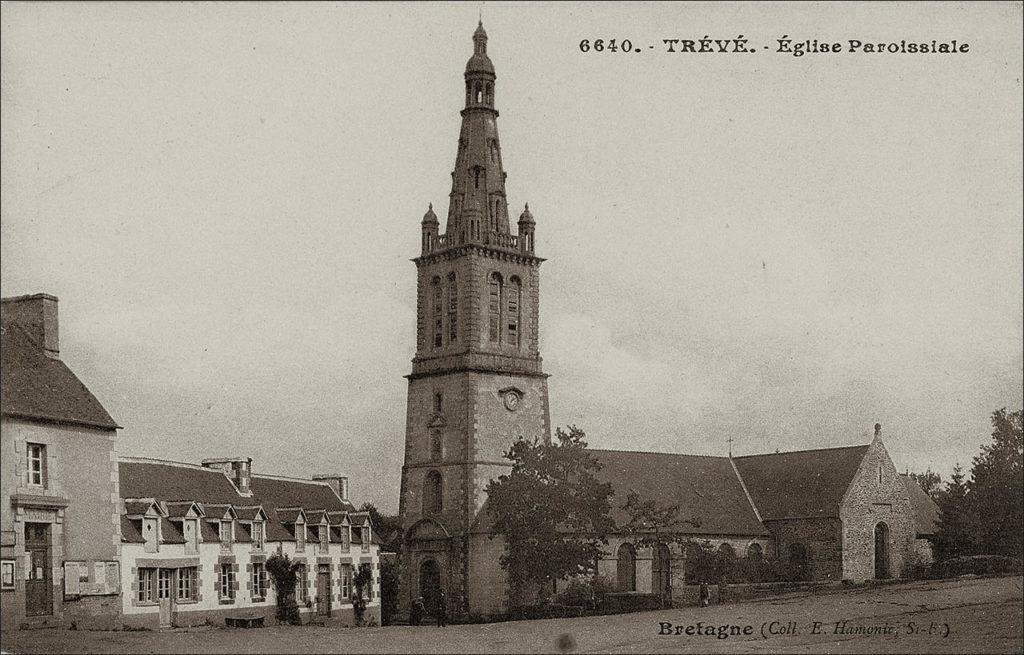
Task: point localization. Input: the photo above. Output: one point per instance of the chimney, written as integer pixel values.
(337, 482)
(238, 470)
(878, 430)
(37, 315)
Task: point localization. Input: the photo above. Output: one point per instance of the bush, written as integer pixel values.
(979, 565)
(587, 593)
(362, 581)
(285, 574)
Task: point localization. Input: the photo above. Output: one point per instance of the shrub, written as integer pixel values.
(284, 573)
(588, 593)
(979, 565)
(362, 581)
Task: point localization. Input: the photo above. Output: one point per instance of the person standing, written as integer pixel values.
(705, 594)
(442, 610)
(416, 613)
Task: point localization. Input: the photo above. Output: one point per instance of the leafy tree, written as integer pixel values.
(285, 575)
(361, 583)
(390, 575)
(552, 511)
(955, 534)
(388, 527)
(996, 489)
(650, 523)
(930, 481)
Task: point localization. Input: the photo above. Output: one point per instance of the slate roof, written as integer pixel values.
(34, 386)
(129, 532)
(178, 484)
(926, 511)
(800, 484)
(210, 532)
(706, 489)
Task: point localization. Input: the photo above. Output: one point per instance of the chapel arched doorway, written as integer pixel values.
(661, 580)
(881, 551)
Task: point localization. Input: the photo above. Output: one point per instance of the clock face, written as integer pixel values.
(511, 400)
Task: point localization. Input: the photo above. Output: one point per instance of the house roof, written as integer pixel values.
(130, 534)
(210, 532)
(926, 511)
(178, 484)
(800, 484)
(705, 489)
(170, 533)
(35, 386)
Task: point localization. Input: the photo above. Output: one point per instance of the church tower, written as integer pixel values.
(476, 384)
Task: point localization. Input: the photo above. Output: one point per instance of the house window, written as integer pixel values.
(258, 534)
(364, 539)
(226, 582)
(300, 537)
(37, 464)
(300, 583)
(494, 307)
(346, 580)
(147, 578)
(259, 581)
(188, 583)
(324, 537)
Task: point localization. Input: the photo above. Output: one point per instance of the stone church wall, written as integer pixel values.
(821, 536)
(876, 495)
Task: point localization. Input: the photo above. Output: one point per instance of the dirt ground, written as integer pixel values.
(961, 616)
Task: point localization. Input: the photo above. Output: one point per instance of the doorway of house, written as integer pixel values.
(430, 585)
(662, 573)
(323, 589)
(38, 586)
(881, 551)
(164, 584)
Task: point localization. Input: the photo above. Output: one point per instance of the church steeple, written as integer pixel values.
(477, 207)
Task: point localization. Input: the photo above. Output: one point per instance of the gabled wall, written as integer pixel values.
(869, 502)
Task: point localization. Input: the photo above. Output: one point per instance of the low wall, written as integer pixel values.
(187, 618)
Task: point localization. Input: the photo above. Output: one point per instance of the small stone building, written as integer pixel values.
(58, 481)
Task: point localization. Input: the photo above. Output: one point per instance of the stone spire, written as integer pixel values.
(477, 210)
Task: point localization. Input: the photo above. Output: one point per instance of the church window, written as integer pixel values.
(453, 309)
(438, 402)
(437, 312)
(436, 452)
(514, 301)
(626, 568)
(489, 93)
(879, 475)
(478, 92)
(755, 552)
(494, 306)
(727, 551)
(432, 493)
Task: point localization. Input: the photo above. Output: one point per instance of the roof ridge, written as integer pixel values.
(287, 478)
(169, 462)
(653, 452)
(805, 450)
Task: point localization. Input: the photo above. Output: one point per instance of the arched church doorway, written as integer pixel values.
(881, 551)
(430, 584)
(626, 568)
(661, 580)
(800, 561)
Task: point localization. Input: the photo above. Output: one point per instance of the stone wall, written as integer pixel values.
(821, 536)
(876, 495)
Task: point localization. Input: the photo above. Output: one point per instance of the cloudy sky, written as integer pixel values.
(783, 250)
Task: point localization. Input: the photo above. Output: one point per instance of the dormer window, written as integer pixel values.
(300, 537)
(258, 534)
(226, 532)
(325, 534)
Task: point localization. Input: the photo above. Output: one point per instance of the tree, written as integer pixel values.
(930, 481)
(552, 511)
(388, 527)
(955, 534)
(285, 575)
(361, 583)
(650, 523)
(996, 489)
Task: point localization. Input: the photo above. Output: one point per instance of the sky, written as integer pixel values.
(777, 250)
